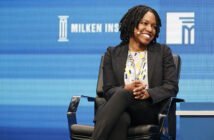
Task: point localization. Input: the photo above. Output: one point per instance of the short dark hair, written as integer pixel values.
(131, 20)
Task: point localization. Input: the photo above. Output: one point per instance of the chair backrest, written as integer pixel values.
(177, 62)
(99, 90)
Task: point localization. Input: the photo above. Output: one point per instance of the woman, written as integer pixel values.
(138, 74)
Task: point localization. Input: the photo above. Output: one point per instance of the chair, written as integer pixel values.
(166, 129)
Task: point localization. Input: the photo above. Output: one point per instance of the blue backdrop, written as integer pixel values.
(50, 51)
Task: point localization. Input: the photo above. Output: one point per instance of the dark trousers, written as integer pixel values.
(121, 111)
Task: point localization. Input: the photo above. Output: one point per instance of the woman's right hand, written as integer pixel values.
(130, 87)
(133, 85)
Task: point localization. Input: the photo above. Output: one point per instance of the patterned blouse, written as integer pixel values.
(136, 67)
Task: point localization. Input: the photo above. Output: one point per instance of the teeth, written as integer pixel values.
(146, 35)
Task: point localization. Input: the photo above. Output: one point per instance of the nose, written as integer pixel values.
(149, 28)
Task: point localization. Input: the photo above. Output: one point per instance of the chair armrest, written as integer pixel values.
(75, 100)
(90, 99)
(168, 106)
(175, 99)
(72, 109)
(167, 118)
(73, 106)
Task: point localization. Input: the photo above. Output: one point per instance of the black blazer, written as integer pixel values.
(163, 81)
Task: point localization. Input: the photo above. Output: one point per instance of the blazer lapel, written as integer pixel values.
(151, 61)
(121, 62)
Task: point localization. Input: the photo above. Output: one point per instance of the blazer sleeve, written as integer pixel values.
(111, 84)
(168, 78)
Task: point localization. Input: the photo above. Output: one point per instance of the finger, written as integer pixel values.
(138, 85)
(137, 82)
(140, 88)
(137, 93)
(145, 97)
(141, 85)
(139, 96)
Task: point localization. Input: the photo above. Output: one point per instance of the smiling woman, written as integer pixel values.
(138, 74)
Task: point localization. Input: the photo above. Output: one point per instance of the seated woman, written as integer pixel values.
(138, 74)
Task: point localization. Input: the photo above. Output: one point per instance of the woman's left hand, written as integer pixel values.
(140, 93)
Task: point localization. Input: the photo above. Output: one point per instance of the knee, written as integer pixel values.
(123, 94)
(124, 120)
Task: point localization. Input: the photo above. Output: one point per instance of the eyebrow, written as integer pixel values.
(145, 20)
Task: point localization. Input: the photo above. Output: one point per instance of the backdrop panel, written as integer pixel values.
(50, 51)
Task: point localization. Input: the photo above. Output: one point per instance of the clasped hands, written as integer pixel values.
(138, 88)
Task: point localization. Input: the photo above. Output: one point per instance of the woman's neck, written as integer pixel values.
(136, 47)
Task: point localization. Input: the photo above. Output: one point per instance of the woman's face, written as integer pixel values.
(146, 30)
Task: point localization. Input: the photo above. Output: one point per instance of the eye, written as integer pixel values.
(144, 23)
(154, 27)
